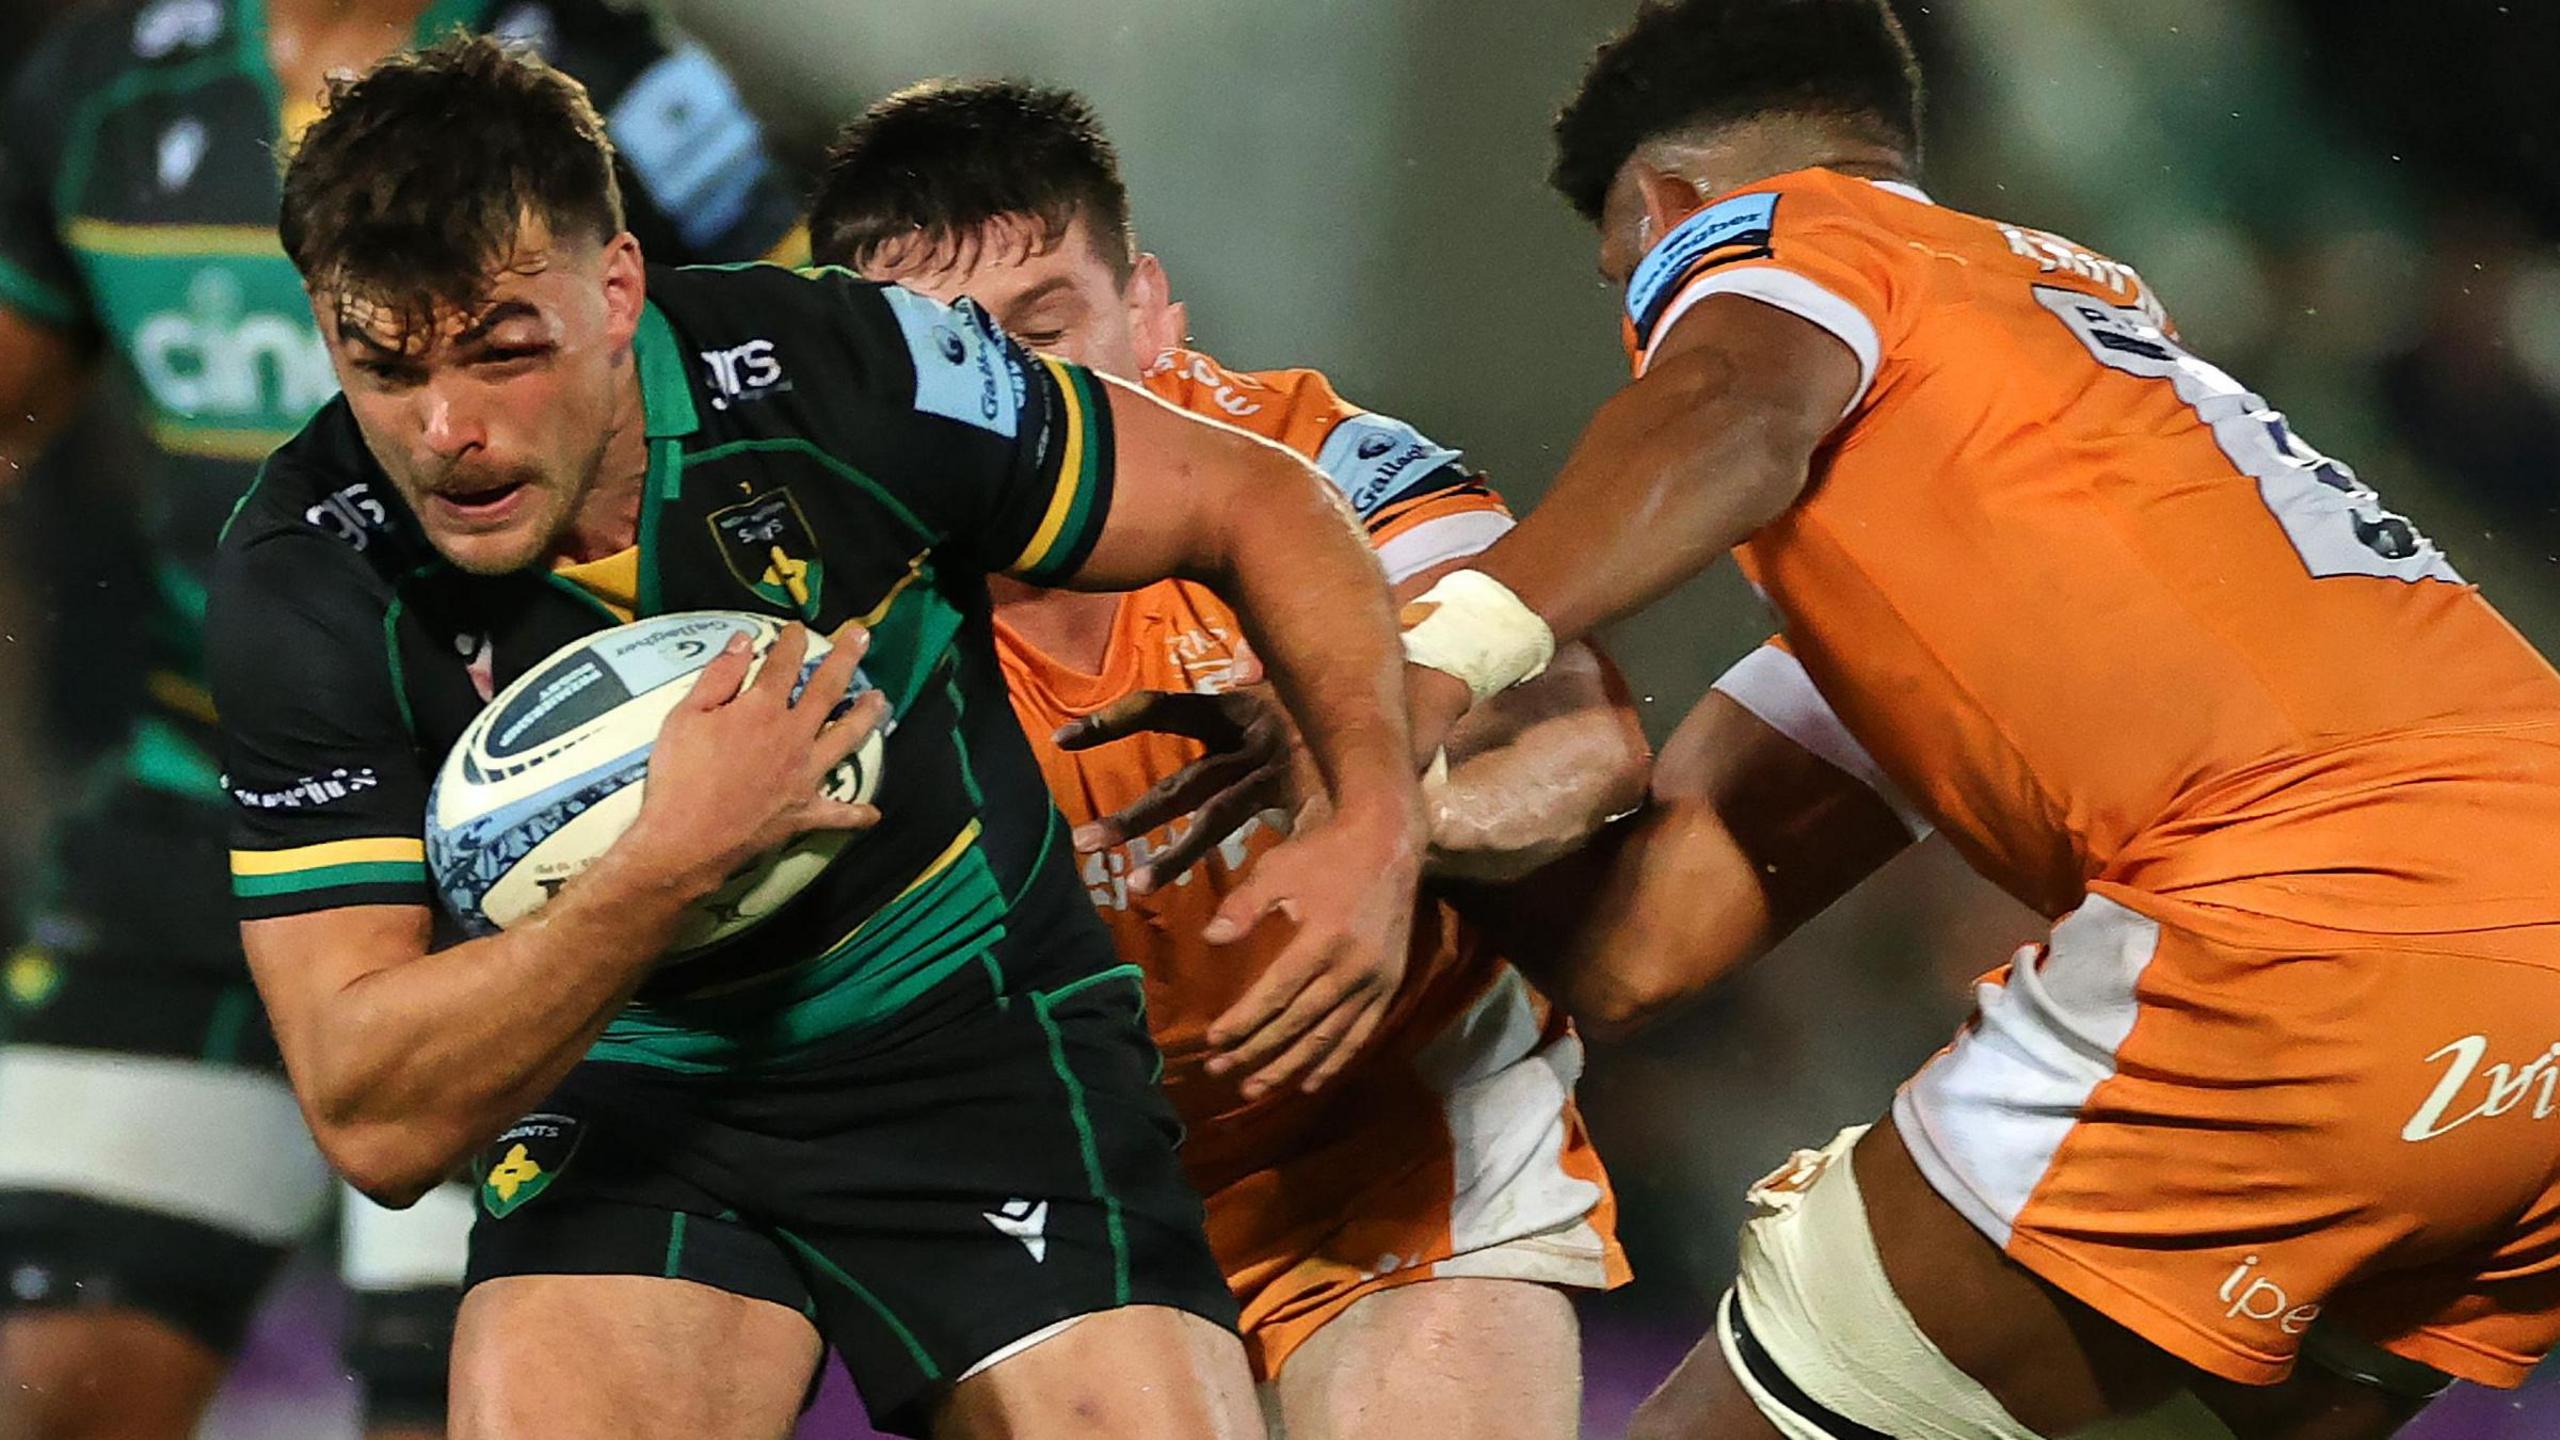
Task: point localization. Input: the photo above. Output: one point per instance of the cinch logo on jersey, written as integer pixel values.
(744, 372)
(1731, 230)
(1374, 458)
(2503, 1088)
(218, 357)
(2263, 1299)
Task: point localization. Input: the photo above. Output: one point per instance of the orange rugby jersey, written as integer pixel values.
(1422, 507)
(2098, 610)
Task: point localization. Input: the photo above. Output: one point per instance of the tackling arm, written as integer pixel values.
(1747, 835)
(1715, 441)
(1535, 771)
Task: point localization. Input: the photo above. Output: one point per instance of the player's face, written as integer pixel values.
(1060, 297)
(493, 422)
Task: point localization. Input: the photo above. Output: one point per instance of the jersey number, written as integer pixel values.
(2336, 522)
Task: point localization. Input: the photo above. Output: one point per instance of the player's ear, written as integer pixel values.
(625, 287)
(1668, 198)
(1156, 323)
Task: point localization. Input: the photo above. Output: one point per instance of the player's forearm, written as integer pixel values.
(1673, 472)
(417, 1064)
(1535, 772)
(1629, 928)
(1302, 579)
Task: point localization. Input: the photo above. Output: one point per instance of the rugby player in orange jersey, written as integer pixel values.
(2269, 1128)
(1399, 1241)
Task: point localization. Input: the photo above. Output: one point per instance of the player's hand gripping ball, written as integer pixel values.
(551, 773)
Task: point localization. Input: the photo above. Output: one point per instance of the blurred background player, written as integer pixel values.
(154, 1172)
(1399, 1242)
(2250, 1129)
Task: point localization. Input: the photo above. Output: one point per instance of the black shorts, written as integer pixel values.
(152, 1159)
(925, 1204)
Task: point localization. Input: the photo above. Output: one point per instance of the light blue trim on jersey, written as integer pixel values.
(965, 369)
(1373, 459)
(691, 142)
(1727, 222)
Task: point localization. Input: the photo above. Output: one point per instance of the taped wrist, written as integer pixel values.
(1471, 626)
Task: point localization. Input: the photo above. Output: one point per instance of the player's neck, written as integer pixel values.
(607, 520)
(1070, 627)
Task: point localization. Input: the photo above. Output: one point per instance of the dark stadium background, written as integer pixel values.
(2353, 206)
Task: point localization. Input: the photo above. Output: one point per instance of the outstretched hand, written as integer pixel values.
(1347, 882)
(1254, 763)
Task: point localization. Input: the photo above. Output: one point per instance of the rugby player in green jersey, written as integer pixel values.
(154, 1172)
(912, 1115)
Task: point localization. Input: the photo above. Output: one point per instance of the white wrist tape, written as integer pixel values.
(1478, 631)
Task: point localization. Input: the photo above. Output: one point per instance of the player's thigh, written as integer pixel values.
(606, 1296)
(1868, 1305)
(1145, 1372)
(641, 1357)
(1486, 1359)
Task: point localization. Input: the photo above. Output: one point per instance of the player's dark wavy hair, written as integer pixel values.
(1688, 64)
(935, 162)
(413, 187)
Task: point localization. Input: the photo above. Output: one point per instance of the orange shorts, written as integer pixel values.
(2217, 1129)
(1462, 1156)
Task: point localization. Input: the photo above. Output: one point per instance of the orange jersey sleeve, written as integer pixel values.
(2096, 609)
(1422, 505)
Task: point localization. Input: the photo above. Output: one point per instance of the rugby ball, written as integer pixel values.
(551, 771)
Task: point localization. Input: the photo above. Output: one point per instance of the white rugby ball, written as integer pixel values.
(550, 773)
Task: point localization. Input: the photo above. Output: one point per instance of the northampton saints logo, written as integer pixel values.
(521, 1163)
(769, 547)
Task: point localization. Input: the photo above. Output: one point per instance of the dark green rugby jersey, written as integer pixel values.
(820, 449)
(138, 193)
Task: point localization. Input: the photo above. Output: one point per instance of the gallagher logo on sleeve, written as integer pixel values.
(1723, 233)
